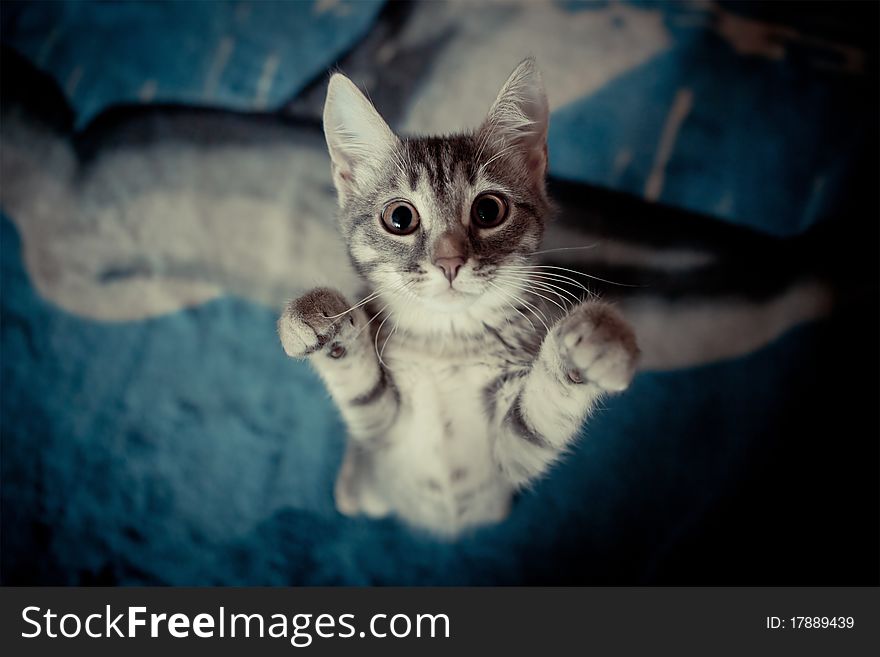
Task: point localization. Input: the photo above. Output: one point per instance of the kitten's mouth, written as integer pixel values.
(453, 293)
(451, 299)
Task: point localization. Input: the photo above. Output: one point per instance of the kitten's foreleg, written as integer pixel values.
(317, 326)
(590, 352)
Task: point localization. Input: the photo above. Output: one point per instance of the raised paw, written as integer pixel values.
(314, 321)
(598, 346)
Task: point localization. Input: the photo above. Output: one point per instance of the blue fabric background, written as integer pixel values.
(769, 144)
(119, 46)
(184, 450)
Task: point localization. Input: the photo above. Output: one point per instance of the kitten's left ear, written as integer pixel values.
(520, 116)
(358, 138)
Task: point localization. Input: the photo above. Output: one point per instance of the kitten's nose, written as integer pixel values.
(450, 266)
(450, 253)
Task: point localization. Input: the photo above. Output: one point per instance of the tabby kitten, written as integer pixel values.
(455, 382)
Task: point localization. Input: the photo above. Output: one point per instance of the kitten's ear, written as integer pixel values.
(520, 116)
(357, 137)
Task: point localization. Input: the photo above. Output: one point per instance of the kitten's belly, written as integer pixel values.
(437, 470)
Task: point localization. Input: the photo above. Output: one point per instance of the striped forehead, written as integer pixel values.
(440, 179)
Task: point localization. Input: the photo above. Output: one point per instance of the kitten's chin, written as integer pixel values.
(450, 301)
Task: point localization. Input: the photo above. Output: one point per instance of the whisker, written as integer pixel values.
(376, 340)
(551, 276)
(517, 310)
(567, 248)
(538, 313)
(533, 290)
(360, 303)
(540, 316)
(363, 328)
(559, 291)
(550, 289)
(559, 283)
(399, 287)
(547, 287)
(580, 273)
(385, 344)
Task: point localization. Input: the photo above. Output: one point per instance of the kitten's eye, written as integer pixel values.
(488, 211)
(400, 217)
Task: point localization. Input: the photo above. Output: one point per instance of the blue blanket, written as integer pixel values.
(185, 450)
(758, 122)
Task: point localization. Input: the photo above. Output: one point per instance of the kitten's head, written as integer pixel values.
(442, 222)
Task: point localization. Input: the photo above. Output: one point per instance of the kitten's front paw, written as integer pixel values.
(598, 346)
(313, 321)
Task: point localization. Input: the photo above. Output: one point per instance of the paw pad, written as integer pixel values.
(598, 346)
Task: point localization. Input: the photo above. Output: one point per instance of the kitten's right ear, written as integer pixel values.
(357, 137)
